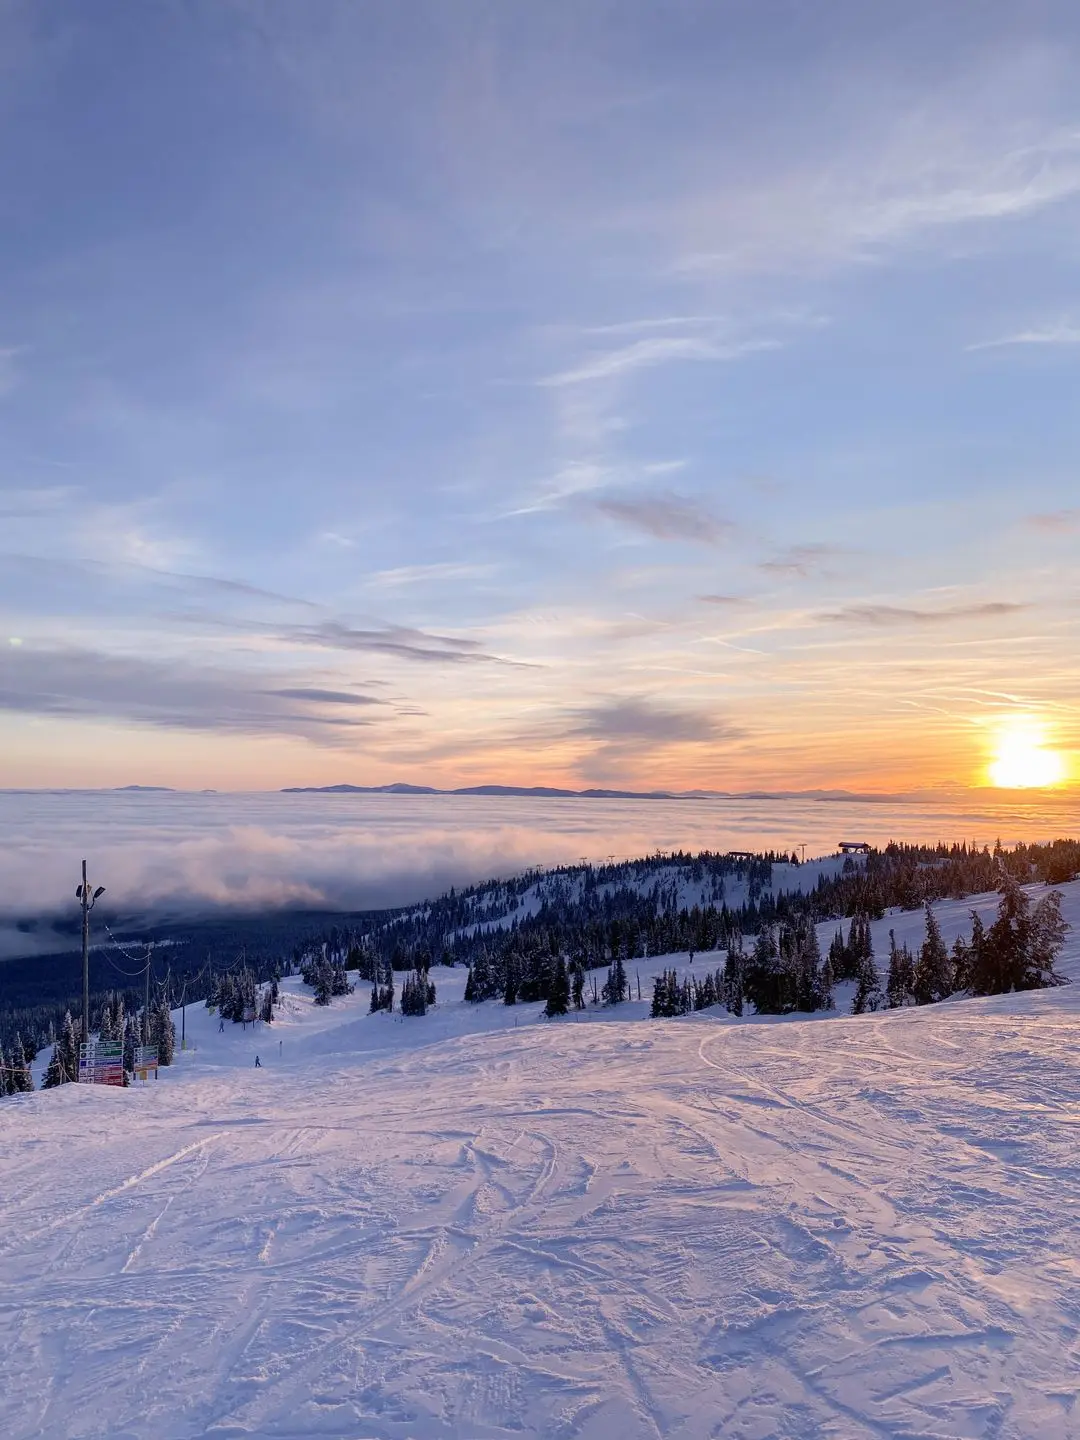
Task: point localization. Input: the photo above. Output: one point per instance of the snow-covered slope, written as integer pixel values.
(497, 904)
(460, 1226)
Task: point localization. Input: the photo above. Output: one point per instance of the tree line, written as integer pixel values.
(511, 933)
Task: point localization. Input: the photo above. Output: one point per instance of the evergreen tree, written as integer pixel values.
(763, 981)
(901, 977)
(867, 987)
(933, 975)
(733, 978)
(5, 1075)
(163, 1032)
(510, 989)
(266, 1013)
(615, 984)
(131, 1043)
(658, 1009)
(479, 986)
(22, 1082)
(961, 964)
(54, 1071)
(838, 956)
(558, 1000)
(578, 985)
(1048, 930)
(414, 994)
(825, 987)
(68, 1045)
(63, 1067)
(1019, 949)
(322, 982)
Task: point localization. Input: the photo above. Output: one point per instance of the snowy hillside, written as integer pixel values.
(479, 1223)
(683, 882)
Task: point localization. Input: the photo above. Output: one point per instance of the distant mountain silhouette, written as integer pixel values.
(553, 792)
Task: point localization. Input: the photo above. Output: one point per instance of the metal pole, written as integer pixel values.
(85, 958)
(146, 1008)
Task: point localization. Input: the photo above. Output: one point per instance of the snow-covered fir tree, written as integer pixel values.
(1020, 947)
(900, 982)
(934, 972)
(63, 1067)
(163, 1032)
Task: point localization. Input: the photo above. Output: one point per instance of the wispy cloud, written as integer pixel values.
(932, 167)
(802, 560)
(1056, 521)
(725, 601)
(119, 576)
(404, 575)
(889, 615)
(325, 697)
(175, 695)
(399, 642)
(668, 517)
(657, 350)
(652, 323)
(1058, 333)
(23, 503)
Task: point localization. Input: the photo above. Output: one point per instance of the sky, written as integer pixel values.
(669, 395)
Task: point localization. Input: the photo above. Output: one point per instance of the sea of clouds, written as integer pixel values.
(178, 853)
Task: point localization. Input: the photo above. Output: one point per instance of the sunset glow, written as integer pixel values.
(645, 405)
(1023, 760)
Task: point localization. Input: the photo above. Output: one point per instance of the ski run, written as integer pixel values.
(480, 1223)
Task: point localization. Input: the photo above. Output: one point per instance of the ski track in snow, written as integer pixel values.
(459, 1227)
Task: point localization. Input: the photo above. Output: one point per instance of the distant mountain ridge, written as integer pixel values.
(552, 792)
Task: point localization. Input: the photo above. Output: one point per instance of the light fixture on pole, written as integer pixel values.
(88, 898)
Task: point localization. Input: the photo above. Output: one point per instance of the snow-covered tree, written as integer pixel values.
(867, 986)
(900, 982)
(163, 1032)
(933, 977)
(1020, 947)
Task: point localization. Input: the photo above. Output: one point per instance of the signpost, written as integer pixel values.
(146, 1059)
(101, 1062)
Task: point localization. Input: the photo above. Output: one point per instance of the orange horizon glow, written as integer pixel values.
(1024, 757)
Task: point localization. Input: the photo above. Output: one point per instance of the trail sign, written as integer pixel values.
(101, 1062)
(146, 1059)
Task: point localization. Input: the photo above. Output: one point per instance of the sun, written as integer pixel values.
(1022, 758)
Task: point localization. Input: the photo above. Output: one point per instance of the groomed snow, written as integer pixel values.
(459, 1226)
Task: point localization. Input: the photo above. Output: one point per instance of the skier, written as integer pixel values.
(279, 1045)
(221, 1026)
(691, 957)
(258, 1063)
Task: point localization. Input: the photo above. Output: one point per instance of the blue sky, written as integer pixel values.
(672, 394)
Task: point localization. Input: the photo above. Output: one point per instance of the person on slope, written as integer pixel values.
(258, 1063)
